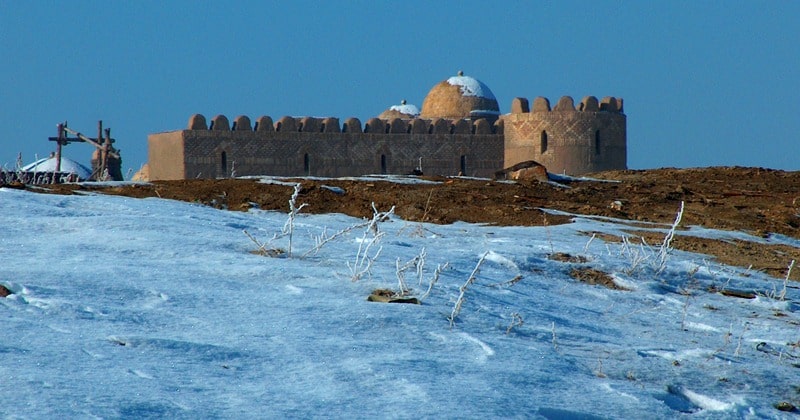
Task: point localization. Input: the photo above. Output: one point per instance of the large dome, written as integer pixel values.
(460, 97)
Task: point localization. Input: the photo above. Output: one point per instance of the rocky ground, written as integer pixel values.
(753, 200)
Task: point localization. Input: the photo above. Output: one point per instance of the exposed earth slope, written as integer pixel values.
(757, 201)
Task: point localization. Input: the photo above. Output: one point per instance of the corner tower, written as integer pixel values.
(575, 140)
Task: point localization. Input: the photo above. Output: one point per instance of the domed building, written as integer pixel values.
(49, 169)
(460, 97)
(459, 131)
(404, 111)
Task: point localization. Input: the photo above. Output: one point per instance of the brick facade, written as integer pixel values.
(574, 140)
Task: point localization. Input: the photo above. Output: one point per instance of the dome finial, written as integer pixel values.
(461, 72)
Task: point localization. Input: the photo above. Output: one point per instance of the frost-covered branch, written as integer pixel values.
(463, 290)
(666, 246)
(288, 227)
(371, 224)
(434, 279)
(363, 262)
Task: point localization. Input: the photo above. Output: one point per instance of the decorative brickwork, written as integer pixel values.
(329, 151)
(590, 138)
(567, 139)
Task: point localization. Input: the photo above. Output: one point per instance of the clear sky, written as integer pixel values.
(705, 83)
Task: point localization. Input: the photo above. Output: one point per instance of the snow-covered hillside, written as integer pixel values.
(155, 308)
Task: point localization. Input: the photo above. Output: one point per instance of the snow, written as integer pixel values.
(67, 166)
(471, 87)
(407, 109)
(156, 308)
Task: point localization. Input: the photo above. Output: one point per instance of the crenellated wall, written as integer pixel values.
(567, 138)
(323, 147)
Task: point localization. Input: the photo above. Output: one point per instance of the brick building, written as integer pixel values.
(458, 131)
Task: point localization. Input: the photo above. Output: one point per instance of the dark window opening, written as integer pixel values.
(255, 126)
(278, 126)
(463, 170)
(388, 127)
(300, 127)
(597, 142)
(233, 127)
(543, 142)
(306, 164)
(211, 126)
(322, 128)
(383, 164)
(224, 163)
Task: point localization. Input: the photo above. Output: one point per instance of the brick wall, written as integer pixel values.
(221, 153)
(565, 139)
(587, 138)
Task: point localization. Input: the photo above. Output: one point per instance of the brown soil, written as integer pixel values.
(753, 200)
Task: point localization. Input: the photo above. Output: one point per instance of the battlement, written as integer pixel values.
(289, 124)
(566, 104)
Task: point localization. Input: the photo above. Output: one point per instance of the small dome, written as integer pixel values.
(403, 111)
(67, 166)
(460, 97)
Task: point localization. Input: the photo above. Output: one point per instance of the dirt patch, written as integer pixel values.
(754, 200)
(568, 258)
(593, 276)
(390, 296)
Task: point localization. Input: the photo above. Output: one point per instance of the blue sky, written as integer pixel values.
(705, 83)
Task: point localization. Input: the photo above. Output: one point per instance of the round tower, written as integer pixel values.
(570, 139)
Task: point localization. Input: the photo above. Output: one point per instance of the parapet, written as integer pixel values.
(220, 123)
(520, 106)
(241, 123)
(351, 125)
(482, 126)
(197, 122)
(330, 125)
(397, 126)
(567, 104)
(264, 124)
(374, 125)
(286, 124)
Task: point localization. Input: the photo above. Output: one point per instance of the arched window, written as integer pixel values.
(306, 164)
(224, 164)
(543, 142)
(463, 168)
(383, 164)
(597, 142)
